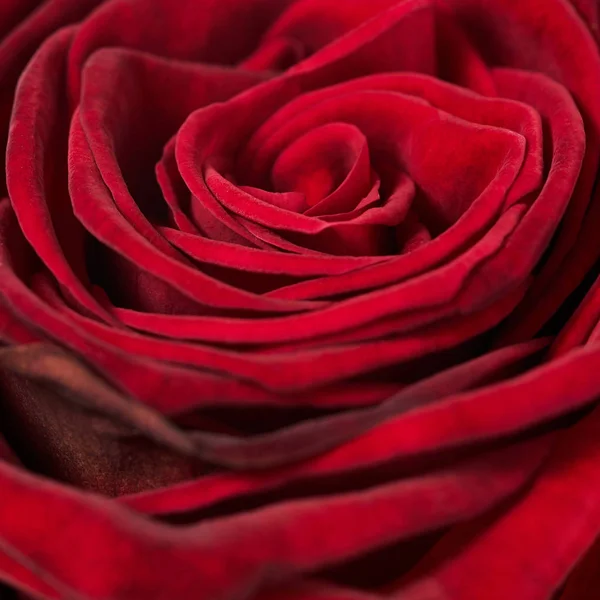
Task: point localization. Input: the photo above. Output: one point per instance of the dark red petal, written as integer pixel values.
(590, 11)
(34, 145)
(125, 556)
(529, 550)
(216, 32)
(585, 576)
(318, 435)
(482, 414)
(93, 206)
(24, 25)
(565, 50)
(261, 261)
(323, 161)
(315, 23)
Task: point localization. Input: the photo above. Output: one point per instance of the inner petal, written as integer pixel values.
(409, 134)
(120, 106)
(318, 162)
(295, 201)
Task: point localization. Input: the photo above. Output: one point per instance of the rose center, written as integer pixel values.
(329, 165)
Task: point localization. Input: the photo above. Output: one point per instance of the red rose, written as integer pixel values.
(297, 299)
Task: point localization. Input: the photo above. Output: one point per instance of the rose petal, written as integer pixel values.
(566, 51)
(116, 113)
(132, 547)
(510, 557)
(179, 31)
(464, 418)
(92, 205)
(33, 148)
